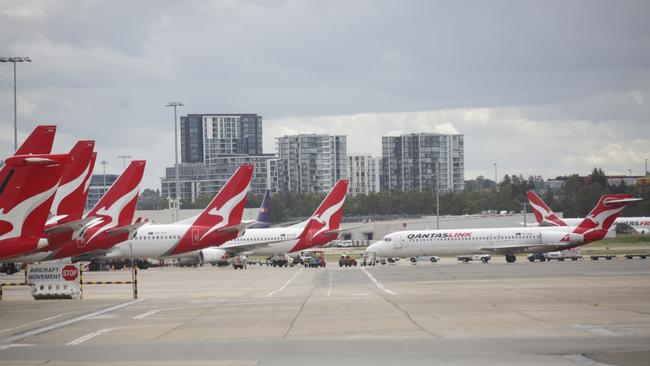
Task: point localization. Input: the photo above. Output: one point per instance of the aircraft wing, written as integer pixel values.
(526, 248)
(246, 247)
(70, 226)
(343, 229)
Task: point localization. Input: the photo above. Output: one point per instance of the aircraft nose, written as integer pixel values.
(376, 247)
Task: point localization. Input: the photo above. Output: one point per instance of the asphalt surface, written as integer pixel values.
(559, 313)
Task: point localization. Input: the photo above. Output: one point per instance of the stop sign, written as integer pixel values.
(70, 272)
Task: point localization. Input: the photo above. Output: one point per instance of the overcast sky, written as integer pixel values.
(548, 87)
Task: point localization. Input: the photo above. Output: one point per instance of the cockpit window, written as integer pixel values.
(387, 238)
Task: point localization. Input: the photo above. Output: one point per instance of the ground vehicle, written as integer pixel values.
(369, 259)
(280, 260)
(632, 256)
(239, 262)
(476, 257)
(572, 254)
(388, 260)
(313, 259)
(536, 257)
(347, 261)
(10, 268)
(344, 244)
(432, 259)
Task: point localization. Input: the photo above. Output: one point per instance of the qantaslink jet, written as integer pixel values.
(507, 241)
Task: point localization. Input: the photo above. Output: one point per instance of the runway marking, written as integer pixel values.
(329, 291)
(90, 336)
(32, 323)
(7, 346)
(286, 284)
(144, 315)
(597, 330)
(377, 283)
(62, 324)
(582, 360)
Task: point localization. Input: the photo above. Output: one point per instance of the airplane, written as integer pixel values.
(321, 228)
(39, 141)
(66, 220)
(263, 216)
(28, 184)
(107, 224)
(546, 217)
(507, 241)
(218, 223)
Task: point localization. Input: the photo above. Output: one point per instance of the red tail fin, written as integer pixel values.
(543, 214)
(39, 141)
(26, 194)
(323, 225)
(71, 196)
(225, 210)
(227, 207)
(595, 226)
(117, 206)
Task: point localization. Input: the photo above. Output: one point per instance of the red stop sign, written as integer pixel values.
(70, 272)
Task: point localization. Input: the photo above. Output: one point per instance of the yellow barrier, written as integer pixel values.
(25, 283)
(134, 282)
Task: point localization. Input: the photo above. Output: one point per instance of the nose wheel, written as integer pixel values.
(510, 258)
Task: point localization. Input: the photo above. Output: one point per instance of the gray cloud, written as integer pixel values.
(573, 71)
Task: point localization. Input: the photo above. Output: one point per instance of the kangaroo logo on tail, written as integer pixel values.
(543, 214)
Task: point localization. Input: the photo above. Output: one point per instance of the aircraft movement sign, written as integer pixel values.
(52, 273)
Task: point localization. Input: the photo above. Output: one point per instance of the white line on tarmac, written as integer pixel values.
(90, 336)
(286, 284)
(582, 360)
(377, 283)
(32, 323)
(6, 346)
(329, 291)
(62, 324)
(142, 316)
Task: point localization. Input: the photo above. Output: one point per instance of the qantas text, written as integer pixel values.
(439, 235)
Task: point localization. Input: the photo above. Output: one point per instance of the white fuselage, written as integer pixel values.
(462, 242)
(155, 241)
(280, 240)
(150, 241)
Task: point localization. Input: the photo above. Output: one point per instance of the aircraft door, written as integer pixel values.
(397, 243)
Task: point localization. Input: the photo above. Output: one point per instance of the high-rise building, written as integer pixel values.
(409, 162)
(99, 184)
(198, 179)
(364, 172)
(207, 136)
(311, 162)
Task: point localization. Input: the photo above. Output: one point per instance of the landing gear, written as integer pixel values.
(510, 258)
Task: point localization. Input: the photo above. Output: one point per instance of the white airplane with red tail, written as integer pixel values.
(546, 217)
(507, 241)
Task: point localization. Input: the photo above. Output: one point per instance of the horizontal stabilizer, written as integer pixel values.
(128, 229)
(70, 226)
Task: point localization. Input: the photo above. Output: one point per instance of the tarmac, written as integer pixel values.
(557, 313)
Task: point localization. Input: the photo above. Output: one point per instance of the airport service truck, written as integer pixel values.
(474, 257)
(570, 254)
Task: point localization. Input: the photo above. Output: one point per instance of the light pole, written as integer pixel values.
(437, 195)
(178, 200)
(646, 166)
(104, 163)
(496, 188)
(629, 172)
(124, 157)
(14, 60)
